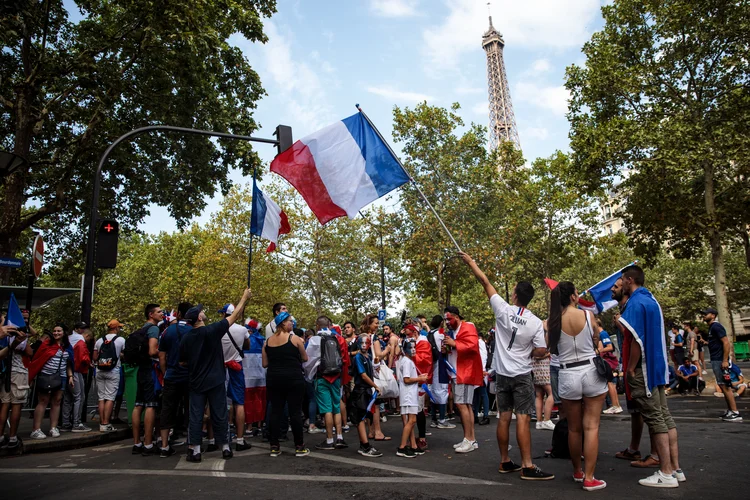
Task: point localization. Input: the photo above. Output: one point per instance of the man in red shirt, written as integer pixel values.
(328, 387)
(464, 341)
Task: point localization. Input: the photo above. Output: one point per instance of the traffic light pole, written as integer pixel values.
(283, 141)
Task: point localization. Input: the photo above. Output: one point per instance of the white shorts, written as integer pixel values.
(107, 384)
(409, 410)
(463, 394)
(580, 382)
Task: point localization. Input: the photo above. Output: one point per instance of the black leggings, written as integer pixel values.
(286, 392)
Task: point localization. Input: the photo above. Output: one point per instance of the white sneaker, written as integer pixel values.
(446, 425)
(679, 475)
(38, 434)
(493, 413)
(463, 442)
(617, 409)
(609, 410)
(475, 444)
(106, 428)
(659, 480)
(384, 419)
(466, 447)
(54, 432)
(314, 430)
(546, 425)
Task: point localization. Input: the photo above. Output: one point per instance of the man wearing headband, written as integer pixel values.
(202, 352)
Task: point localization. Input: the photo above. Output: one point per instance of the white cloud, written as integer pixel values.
(394, 8)
(396, 95)
(540, 133)
(470, 90)
(540, 66)
(296, 82)
(481, 108)
(551, 98)
(528, 24)
(328, 35)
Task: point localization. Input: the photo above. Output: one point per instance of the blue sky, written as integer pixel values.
(323, 57)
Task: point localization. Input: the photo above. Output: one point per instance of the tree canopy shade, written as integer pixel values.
(74, 81)
(663, 103)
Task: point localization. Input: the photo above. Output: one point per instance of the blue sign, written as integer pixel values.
(381, 314)
(10, 262)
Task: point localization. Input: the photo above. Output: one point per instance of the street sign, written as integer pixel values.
(37, 256)
(381, 314)
(10, 262)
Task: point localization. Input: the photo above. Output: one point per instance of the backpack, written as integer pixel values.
(560, 447)
(330, 356)
(135, 351)
(107, 355)
(433, 344)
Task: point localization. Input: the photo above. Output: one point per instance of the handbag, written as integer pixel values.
(386, 382)
(50, 382)
(602, 367)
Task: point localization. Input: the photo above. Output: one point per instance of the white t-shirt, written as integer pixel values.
(517, 332)
(672, 336)
(408, 393)
(119, 346)
(270, 328)
(239, 333)
(17, 365)
(436, 369)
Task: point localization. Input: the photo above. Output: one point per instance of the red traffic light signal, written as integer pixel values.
(106, 244)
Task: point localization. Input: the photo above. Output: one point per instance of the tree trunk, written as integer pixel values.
(440, 301)
(746, 246)
(717, 252)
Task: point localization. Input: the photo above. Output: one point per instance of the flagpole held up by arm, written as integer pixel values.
(414, 183)
(250, 252)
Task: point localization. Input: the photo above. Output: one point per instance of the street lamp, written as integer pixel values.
(9, 163)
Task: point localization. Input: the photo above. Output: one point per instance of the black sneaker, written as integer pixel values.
(64, 428)
(212, 447)
(419, 451)
(509, 466)
(369, 452)
(325, 445)
(405, 452)
(732, 416)
(193, 457)
(227, 454)
(301, 451)
(242, 446)
(13, 446)
(167, 453)
(137, 450)
(534, 473)
(147, 452)
(341, 444)
(484, 421)
(275, 451)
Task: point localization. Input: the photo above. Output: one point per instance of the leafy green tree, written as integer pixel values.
(73, 82)
(663, 104)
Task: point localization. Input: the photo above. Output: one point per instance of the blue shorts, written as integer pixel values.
(719, 373)
(236, 386)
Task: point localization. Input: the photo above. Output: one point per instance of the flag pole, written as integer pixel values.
(250, 252)
(414, 183)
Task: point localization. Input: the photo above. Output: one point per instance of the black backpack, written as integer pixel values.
(560, 448)
(135, 351)
(107, 355)
(330, 356)
(433, 344)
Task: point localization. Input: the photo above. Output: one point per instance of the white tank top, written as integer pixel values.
(577, 348)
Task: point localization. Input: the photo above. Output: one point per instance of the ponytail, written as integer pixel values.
(559, 300)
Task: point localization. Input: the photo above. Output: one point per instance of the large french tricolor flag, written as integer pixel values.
(268, 220)
(340, 169)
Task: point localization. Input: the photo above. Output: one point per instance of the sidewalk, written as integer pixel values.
(67, 440)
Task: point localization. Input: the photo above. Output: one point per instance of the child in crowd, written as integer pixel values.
(408, 381)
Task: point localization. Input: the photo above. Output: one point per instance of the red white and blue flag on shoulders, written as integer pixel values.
(340, 169)
(268, 220)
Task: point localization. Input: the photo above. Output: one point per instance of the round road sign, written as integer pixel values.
(37, 256)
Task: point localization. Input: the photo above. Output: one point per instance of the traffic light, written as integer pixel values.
(106, 244)
(284, 135)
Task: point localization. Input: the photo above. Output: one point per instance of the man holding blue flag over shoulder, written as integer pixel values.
(647, 375)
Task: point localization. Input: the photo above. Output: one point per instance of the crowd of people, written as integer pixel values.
(226, 381)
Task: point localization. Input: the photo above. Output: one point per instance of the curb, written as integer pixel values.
(83, 440)
(677, 418)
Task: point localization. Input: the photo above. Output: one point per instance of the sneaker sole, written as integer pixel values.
(370, 456)
(507, 471)
(80, 431)
(659, 485)
(404, 455)
(526, 478)
(302, 454)
(594, 488)
(466, 451)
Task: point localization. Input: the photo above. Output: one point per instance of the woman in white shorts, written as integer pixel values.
(581, 388)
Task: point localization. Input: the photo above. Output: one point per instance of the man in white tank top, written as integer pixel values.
(519, 335)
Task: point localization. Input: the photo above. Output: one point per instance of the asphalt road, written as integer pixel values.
(715, 457)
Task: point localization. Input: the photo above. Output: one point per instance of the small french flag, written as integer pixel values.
(268, 220)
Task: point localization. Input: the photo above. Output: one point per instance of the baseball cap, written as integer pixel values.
(227, 309)
(81, 325)
(454, 311)
(709, 310)
(192, 314)
(114, 324)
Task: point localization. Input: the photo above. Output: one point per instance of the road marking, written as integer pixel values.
(272, 477)
(66, 465)
(114, 447)
(207, 464)
(78, 455)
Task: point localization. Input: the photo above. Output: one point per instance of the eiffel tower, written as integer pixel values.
(502, 120)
